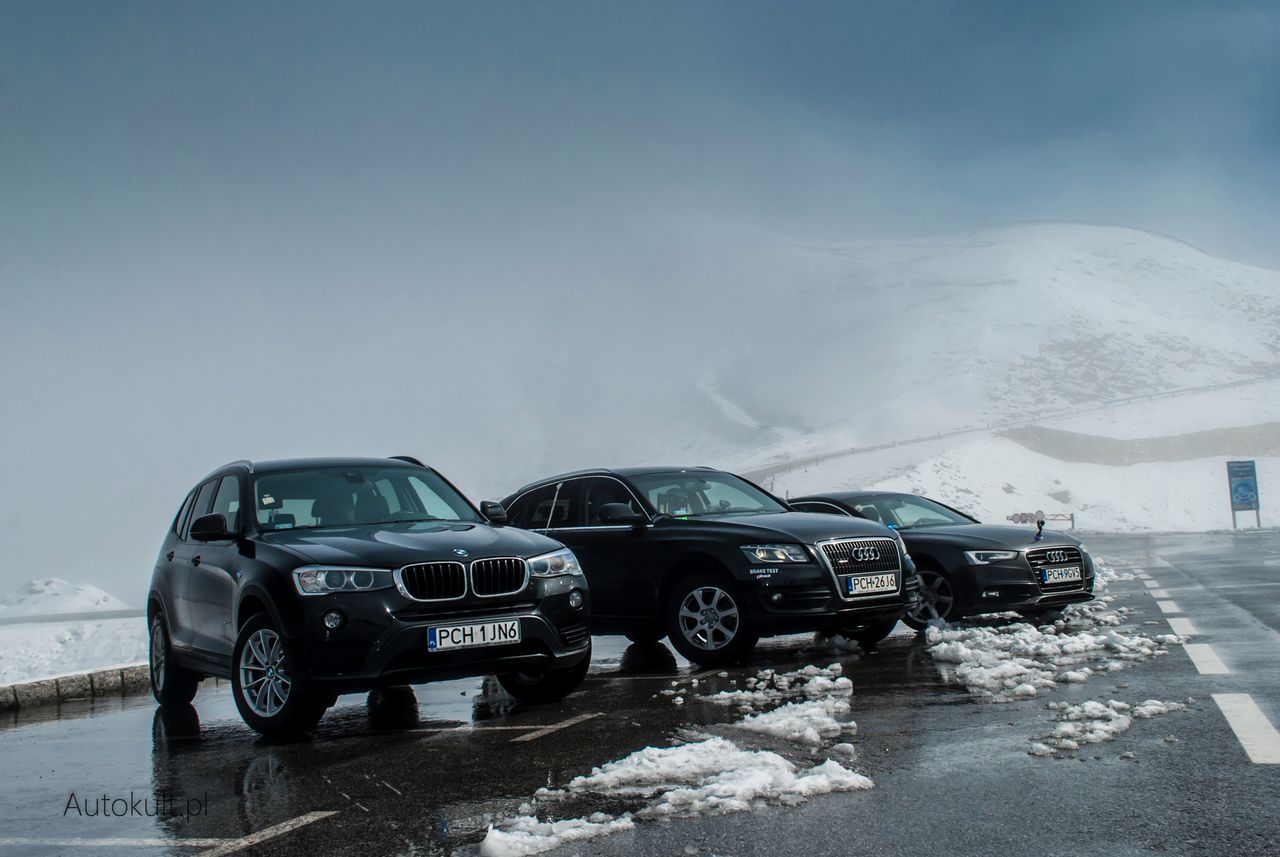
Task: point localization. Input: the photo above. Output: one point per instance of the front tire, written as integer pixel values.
(937, 600)
(868, 635)
(546, 687)
(271, 695)
(644, 634)
(706, 621)
(171, 685)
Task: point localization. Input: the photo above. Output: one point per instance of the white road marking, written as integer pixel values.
(266, 833)
(1205, 659)
(1182, 627)
(1259, 738)
(555, 727)
(468, 728)
(176, 842)
(1168, 607)
(1159, 593)
(1150, 584)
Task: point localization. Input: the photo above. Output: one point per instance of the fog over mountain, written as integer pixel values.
(514, 238)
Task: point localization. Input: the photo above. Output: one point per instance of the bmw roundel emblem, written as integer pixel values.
(459, 552)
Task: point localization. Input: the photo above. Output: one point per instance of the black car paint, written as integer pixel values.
(632, 567)
(205, 591)
(943, 547)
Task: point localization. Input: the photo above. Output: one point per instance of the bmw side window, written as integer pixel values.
(227, 502)
(180, 519)
(200, 507)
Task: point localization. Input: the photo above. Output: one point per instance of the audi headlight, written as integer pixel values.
(769, 554)
(554, 564)
(323, 579)
(988, 557)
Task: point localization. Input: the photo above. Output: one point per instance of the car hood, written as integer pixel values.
(988, 535)
(805, 527)
(394, 545)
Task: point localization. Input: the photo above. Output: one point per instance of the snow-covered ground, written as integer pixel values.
(709, 774)
(32, 650)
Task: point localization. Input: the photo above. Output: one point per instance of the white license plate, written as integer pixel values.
(1066, 574)
(469, 636)
(870, 584)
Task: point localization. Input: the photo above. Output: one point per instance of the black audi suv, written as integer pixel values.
(713, 562)
(299, 580)
(967, 567)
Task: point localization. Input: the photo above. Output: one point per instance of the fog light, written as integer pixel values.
(777, 597)
(575, 599)
(333, 620)
(991, 593)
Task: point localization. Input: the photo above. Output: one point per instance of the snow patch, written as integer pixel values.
(1018, 660)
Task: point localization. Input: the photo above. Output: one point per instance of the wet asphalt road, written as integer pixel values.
(426, 773)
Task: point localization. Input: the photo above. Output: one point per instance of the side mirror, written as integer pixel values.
(621, 513)
(211, 528)
(493, 510)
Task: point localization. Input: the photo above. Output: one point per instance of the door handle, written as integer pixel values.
(195, 560)
(169, 556)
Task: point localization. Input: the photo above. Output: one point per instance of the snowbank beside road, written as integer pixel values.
(32, 651)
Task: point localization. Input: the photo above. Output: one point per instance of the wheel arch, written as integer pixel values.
(692, 563)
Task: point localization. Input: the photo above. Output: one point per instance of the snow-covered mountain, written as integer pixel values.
(910, 338)
(52, 596)
(935, 352)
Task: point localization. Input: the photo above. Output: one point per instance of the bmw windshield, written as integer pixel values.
(695, 493)
(353, 496)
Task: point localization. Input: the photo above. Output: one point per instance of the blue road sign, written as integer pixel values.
(1242, 479)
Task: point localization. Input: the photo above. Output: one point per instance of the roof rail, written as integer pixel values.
(408, 458)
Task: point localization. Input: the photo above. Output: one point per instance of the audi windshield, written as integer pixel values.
(691, 494)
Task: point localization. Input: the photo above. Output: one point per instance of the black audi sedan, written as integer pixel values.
(299, 580)
(713, 562)
(967, 567)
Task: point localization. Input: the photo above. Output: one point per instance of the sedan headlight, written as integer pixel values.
(988, 557)
(768, 554)
(323, 579)
(554, 564)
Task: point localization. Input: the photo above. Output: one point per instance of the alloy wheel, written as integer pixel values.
(709, 618)
(936, 597)
(157, 655)
(264, 683)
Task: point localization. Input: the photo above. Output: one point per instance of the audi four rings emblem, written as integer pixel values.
(1056, 556)
(865, 554)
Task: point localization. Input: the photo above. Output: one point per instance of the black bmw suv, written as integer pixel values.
(299, 580)
(713, 562)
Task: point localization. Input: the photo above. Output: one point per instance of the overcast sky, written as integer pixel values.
(254, 230)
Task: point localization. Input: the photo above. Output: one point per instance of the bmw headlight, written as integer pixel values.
(770, 554)
(554, 564)
(323, 579)
(988, 557)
